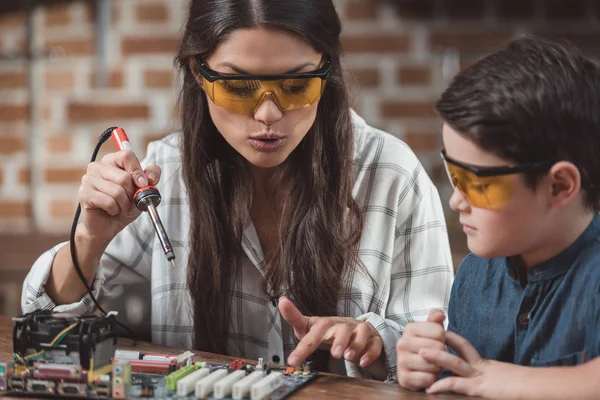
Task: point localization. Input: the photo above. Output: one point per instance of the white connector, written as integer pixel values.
(265, 386)
(204, 386)
(241, 389)
(187, 384)
(223, 387)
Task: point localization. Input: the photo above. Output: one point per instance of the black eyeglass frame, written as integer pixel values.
(495, 171)
(212, 76)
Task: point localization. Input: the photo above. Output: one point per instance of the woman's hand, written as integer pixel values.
(354, 340)
(106, 194)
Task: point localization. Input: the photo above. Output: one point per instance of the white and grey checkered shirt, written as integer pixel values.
(404, 247)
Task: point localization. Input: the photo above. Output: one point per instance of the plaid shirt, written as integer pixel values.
(404, 247)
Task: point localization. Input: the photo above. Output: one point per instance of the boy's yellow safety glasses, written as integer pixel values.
(486, 187)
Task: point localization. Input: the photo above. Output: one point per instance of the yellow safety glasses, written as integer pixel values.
(486, 187)
(245, 93)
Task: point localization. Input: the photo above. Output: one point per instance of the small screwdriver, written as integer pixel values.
(146, 198)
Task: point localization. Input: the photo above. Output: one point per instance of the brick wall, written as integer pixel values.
(401, 54)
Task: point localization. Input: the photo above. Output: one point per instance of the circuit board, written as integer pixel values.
(147, 385)
(76, 357)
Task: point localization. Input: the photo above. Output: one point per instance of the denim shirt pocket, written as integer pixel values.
(566, 360)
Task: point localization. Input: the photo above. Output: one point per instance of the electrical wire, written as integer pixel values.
(57, 339)
(101, 140)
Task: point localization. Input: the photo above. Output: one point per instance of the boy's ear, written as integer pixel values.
(565, 181)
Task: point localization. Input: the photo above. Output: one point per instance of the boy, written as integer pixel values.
(521, 140)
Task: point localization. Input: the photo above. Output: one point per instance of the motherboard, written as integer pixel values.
(61, 355)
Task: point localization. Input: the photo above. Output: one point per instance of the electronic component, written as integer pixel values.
(121, 379)
(260, 365)
(223, 387)
(42, 340)
(174, 377)
(241, 389)
(187, 384)
(147, 390)
(73, 389)
(128, 355)
(237, 364)
(265, 386)
(205, 386)
(5, 372)
(61, 355)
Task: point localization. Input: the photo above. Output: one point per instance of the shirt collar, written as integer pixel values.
(560, 263)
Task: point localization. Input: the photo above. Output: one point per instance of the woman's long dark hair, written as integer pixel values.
(319, 221)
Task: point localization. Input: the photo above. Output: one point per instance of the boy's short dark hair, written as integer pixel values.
(535, 100)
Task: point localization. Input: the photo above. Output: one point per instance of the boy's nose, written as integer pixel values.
(458, 202)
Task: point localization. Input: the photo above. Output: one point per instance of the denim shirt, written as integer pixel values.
(545, 316)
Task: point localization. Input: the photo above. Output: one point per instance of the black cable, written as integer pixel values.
(101, 140)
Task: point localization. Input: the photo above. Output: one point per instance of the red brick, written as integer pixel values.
(24, 176)
(572, 9)
(158, 79)
(13, 80)
(84, 112)
(73, 47)
(366, 77)
(63, 175)
(57, 15)
(465, 9)
(10, 145)
(407, 109)
(13, 113)
(414, 75)
(62, 208)
(475, 40)
(515, 9)
(415, 9)
(90, 12)
(150, 45)
(115, 80)
(59, 143)
(47, 110)
(12, 20)
(383, 43)
(60, 80)
(362, 9)
(421, 141)
(158, 12)
(14, 209)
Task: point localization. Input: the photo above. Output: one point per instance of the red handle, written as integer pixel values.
(121, 140)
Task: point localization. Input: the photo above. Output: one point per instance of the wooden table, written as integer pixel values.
(325, 386)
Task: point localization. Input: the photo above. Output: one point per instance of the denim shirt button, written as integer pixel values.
(524, 318)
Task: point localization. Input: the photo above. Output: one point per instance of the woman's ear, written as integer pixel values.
(193, 65)
(565, 183)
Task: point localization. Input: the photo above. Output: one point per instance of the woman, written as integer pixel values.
(274, 189)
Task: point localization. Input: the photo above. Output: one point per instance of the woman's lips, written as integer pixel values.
(265, 144)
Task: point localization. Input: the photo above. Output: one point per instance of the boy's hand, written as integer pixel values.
(414, 372)
(474, 375)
